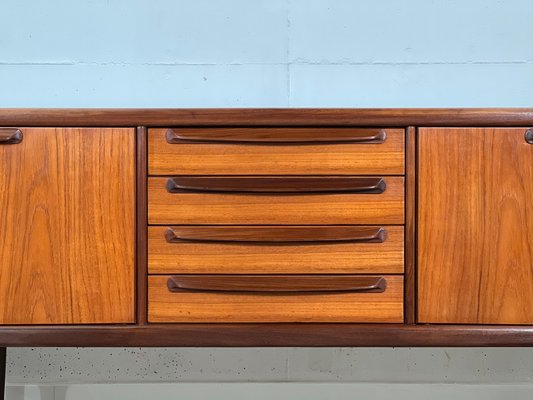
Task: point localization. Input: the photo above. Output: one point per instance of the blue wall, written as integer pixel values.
(245, 53)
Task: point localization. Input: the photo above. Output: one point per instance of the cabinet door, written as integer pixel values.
(475, 224)
(67, 226)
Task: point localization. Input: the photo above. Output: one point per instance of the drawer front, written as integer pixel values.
(275, 151)
(292, 201)
(275, 249)
(193, 298)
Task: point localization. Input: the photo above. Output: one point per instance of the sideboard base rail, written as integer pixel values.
(269, 335)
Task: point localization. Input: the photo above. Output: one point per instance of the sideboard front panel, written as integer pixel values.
(475, 224)
(67, 215)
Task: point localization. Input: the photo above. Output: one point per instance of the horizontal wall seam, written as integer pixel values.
(299, 62)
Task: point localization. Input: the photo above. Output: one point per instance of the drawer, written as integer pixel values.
(276, 200)
(275, 151)
(275, 249)
(275, 298)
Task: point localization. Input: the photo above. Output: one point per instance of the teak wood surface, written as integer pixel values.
(141, 222)
(475, 241)
(410, 225)
(216, 307)
(408, 332)
(385, 158)
(283, 258)
(67, 215)
(305, 209)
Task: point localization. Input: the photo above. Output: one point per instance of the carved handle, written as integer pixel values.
(10, 136)
(276, 235)
(529, 136)
(276, 136)
(277, 185)
(277, 283)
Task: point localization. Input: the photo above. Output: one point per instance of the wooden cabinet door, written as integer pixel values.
(67, 213)
(475, 226)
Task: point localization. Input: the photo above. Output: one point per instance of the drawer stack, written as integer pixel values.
(275, 224)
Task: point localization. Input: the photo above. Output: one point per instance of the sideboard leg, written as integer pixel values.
(2, 372)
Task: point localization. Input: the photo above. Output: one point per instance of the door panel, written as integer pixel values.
(475, 221)
(67, 212)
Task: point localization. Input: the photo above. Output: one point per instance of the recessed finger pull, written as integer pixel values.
(10, 136)
(277, 283)
(277, 185)
(529, 136)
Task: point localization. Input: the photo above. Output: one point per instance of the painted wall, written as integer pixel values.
(246, 53)
(267, 53)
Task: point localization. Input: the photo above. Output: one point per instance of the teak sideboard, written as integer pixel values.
(266, 227)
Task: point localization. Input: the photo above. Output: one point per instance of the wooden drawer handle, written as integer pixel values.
(276, 235)
(529, 136)
(277, 283)
(276, 136)
(277, 185)
(10, 136)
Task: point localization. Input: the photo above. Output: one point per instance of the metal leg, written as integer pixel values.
(2, 372)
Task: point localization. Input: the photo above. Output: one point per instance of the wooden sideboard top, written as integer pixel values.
(266, 116)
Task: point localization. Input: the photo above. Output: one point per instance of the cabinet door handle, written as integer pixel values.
(10, 136)
(276, 235)
(276, 136)
(277, 283)
(277, 185)
(529, 136)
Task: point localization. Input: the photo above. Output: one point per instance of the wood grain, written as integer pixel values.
(387, 117)
(165, 306)
(67, 212)
(141, 222)
(410, 226)
(248, 159)
(315, 258)
(221, 208)
(475, 260)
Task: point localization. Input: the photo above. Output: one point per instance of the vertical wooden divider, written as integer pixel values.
(141, 227)
(410, 225)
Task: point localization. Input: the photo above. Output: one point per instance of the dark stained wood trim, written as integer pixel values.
(269, 335)
(379, 117)
(410, 226)
(276, 234)
(529, 136)
(141, 295)
(277, 184)
(10, 136)
(277, 283)
(279, 135)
